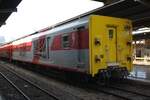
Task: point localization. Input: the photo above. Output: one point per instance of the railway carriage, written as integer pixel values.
(97, 46)
(6, 51)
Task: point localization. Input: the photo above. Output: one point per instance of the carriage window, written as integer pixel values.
(35, 47)
(111, 32)
(22, 49)
(65, 41)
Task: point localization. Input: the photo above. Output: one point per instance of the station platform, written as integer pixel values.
(141, 72)
(142, 61)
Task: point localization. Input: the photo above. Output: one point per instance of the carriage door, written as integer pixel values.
(110, 47)
(42, 47)
(80, 41)
(39, 49)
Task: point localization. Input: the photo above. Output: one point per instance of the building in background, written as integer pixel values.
(142, 49)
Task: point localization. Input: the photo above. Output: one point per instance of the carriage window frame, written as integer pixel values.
(65, 41)
(35, 46)
(22, 50)
(111, 33)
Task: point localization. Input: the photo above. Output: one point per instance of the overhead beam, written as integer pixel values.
(106, 2)
(8, 10)
(141, 36)
(2, 23)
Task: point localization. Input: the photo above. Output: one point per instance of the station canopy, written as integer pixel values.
(6, 8)
(136, 10)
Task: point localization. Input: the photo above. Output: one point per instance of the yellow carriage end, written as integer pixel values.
(110, 43)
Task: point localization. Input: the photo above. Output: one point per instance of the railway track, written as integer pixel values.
(66, 95)
(118, 91)
(9, 91)
(29, 90)
(129, 89)
(122, 93)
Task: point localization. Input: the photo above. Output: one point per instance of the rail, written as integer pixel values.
(19, 90)
(28, 81)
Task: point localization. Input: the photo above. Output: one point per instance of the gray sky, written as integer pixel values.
(33, 15)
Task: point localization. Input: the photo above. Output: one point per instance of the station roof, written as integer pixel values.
(6, 8)
(141, 36)
(136, 10)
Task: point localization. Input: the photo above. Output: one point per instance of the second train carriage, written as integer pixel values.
(95, 45)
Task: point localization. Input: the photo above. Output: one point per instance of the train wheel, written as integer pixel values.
(103, 77)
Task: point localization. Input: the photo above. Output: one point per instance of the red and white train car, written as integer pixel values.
(77, 46)
(63, 47)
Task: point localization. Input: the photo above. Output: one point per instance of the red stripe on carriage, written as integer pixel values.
(56, 44)
(77, 40)
(23, 47)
